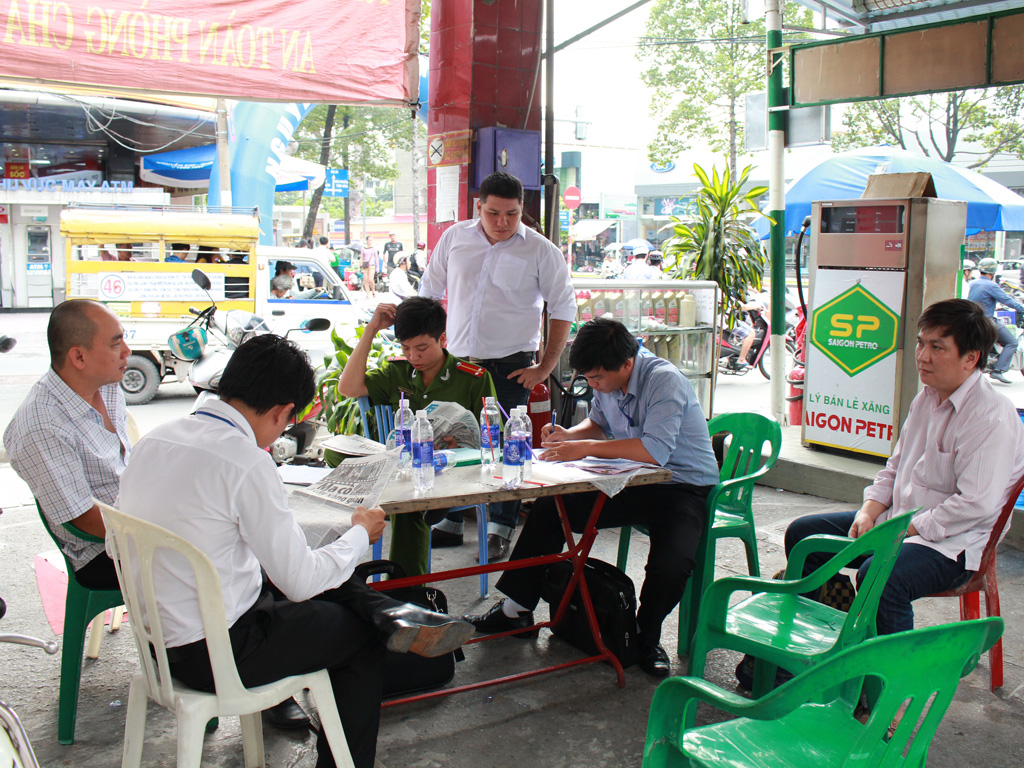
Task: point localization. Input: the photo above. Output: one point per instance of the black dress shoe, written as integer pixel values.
(654, 661)
(411, 629)
(495, 621)
(497, 548)
(287, 715)
(439, 538)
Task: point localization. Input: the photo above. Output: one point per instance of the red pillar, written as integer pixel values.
(484, 71)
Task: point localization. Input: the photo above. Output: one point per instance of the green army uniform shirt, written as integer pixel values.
(457, 382)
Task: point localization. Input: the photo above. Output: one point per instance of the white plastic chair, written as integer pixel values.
(133, 543)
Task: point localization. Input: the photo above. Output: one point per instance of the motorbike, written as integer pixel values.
(15, 747)
(1017, 361)
(296, 444)
(759, 355)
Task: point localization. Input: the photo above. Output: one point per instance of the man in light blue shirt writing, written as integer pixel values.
(643, 410)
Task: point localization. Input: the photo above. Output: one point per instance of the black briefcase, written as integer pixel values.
(407, 673)
(614, 598)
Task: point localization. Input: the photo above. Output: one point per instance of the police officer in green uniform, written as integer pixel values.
(425, 373)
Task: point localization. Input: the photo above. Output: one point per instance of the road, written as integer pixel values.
(21, 367)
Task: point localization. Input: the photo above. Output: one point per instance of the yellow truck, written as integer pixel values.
(139, 262)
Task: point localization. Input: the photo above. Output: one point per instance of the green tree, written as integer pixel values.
(361, 139)
(974, 125)
(701, 62)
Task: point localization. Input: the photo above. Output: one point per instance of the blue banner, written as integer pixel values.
(259, 135)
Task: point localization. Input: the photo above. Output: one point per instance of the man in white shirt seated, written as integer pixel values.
(292, 610)
(959, 455)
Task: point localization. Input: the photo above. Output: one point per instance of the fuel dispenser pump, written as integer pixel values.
(875, 265)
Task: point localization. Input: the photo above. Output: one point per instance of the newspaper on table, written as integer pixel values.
(452, 422)
(324, 509)
(353, 445)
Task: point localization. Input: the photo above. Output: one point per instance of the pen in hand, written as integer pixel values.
(553, 414)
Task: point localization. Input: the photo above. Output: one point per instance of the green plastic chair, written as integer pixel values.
(81, 607)
(790, 728)
(778, 626)
(728, 507)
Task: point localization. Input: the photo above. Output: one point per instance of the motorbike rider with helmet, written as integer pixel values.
(966, 278)
(986, 292)
(637, 268)
(418, 260)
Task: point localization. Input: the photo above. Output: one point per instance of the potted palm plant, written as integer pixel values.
(715, 241)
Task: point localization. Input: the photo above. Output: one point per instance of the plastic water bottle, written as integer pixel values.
(422, 453)
(527, 429)
(490, 432)
(443, 461)
(403, 434)
(512, 456)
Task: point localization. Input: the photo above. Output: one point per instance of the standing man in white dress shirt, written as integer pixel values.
(959, 455)
(498, 274)
(291, 610)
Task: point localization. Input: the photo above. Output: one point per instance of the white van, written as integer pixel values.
(139, 262)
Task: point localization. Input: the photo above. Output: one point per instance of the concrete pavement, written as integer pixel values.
(573, 718)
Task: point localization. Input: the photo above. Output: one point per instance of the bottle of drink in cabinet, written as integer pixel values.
(527, 429)
(512, 453)
(490, 433)
(403, 434)
(422, 453)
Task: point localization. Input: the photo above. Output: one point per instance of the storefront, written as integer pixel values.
(31, 248)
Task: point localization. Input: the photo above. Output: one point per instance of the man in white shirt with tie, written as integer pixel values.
(498, 274)
(959, 455)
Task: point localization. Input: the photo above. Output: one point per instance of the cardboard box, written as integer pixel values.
(884, 186)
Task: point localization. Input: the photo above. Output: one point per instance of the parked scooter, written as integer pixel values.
(238, 326)
(15, 747)
(759, 355)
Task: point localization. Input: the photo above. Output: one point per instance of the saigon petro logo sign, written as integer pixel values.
(855, 330)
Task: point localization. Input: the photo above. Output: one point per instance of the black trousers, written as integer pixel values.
(98, 573)
(674, 516)
(277, 638)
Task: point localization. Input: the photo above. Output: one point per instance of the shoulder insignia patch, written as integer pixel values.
(470, 368)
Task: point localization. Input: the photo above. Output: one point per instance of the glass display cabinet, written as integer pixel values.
(674, 319)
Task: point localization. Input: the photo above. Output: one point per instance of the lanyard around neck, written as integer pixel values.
(220, 418)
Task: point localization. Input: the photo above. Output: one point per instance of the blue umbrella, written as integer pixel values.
(990, 205)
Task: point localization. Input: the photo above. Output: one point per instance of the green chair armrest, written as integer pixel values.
(725, 487)
(677, 696)
(78, 532)
(812, 545)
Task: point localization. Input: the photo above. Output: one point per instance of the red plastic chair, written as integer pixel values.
(985, 580)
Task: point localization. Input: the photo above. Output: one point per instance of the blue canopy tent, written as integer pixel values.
(190, 169)
(990, 206)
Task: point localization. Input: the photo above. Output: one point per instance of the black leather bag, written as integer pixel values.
(614, 598)
(407, 673)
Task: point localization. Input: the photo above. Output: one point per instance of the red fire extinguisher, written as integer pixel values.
(795, 397)
(539, 408)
